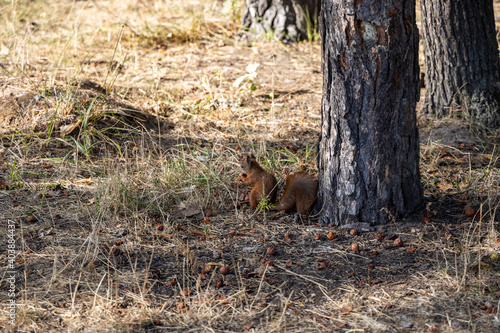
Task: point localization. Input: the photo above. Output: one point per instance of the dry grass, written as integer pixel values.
(121, 131)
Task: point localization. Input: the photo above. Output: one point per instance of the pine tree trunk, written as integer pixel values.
(461, 56)
(368, 147)
(286, 20)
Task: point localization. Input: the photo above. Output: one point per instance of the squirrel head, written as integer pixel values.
(247, 161)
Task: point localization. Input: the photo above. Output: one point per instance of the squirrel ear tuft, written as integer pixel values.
(252, 156)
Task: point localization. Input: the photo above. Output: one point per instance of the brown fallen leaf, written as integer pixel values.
(83, 180)
(201, 233)
(171, 282)
(67, 129)
(323, 264)
(464, 196)
(183, 307)
(346, 310)
(492, 310)
(185, 292)
(445, 187)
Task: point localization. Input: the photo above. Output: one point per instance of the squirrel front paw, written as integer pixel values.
(241, 177)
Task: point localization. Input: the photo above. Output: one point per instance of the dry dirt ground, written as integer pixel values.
(121, 128)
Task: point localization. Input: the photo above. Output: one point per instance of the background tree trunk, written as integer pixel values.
(287, 20)
(368, 146)
(461, 56)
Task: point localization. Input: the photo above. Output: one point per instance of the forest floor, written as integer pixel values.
(121, 128)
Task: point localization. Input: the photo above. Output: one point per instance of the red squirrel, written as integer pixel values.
(300, 189)
(262, 182)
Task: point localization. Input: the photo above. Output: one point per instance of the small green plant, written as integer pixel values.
(264, 204)
(311, 26)
(84, 141)
(206, 230)
(51, 122)
(79, 146)
(269, 35)
(14, 174)
(26, 146)
(305, 158)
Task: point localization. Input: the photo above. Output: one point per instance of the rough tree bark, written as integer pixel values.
(461, 56)
(286, 19)
(368, 156)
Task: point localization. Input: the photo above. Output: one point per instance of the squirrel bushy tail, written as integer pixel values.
(300, 191)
